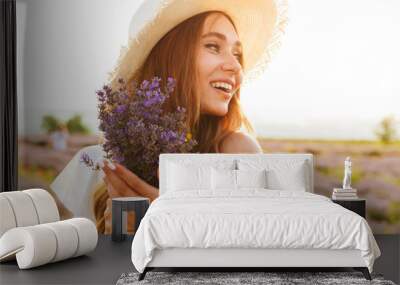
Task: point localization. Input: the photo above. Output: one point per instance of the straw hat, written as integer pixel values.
(259, 25)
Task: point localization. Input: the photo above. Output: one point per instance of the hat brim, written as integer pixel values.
(259, 24)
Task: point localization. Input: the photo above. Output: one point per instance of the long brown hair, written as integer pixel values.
(173, 57)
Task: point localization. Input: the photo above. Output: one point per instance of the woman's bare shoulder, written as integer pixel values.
(240, 142)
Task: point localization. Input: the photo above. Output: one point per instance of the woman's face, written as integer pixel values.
(218, 68)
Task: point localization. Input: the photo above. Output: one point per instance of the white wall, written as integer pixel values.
(65, 50)
(336, 75)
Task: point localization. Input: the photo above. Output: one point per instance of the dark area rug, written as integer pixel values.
(273, 278)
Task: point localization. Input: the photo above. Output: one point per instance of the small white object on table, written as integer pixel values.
(344, 194)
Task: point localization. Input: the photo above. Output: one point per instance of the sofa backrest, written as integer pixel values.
(281, 164)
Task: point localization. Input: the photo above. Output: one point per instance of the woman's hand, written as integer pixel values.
(121, 182)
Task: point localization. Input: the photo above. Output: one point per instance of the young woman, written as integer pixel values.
(200, 46)
(204, 55)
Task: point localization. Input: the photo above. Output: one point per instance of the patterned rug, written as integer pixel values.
(269, 278)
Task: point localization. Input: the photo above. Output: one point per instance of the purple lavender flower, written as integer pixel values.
(170, 85)
(136, 130)
(85, 158)
(155, 83)
(145, 84)
(121, 108)
(101, 95)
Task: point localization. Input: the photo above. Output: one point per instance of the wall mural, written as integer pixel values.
(329, 89)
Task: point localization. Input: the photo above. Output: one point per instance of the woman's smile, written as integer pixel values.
(219, 65)
(224, 87)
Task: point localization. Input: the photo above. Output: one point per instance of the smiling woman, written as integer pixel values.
(204, 52)
(208, 88)
(210, 38)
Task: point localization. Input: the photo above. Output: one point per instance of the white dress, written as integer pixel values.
(75, 184)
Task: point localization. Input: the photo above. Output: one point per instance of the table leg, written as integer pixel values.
(117, 234)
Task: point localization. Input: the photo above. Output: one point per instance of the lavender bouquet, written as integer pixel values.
(136, 130)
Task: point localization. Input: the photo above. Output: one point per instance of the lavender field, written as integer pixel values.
(375, 173)
(376, 169)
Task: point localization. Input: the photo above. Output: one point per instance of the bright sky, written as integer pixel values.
(335, 76)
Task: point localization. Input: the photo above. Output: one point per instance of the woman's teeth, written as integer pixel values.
(223, 86)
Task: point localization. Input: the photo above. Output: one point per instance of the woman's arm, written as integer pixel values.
(240, 142)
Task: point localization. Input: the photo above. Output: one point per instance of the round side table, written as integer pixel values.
(120, 207)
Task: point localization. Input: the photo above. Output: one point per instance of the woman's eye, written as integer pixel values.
(214, 47)
(238, 56)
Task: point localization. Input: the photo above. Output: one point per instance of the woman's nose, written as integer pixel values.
(231, 64)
